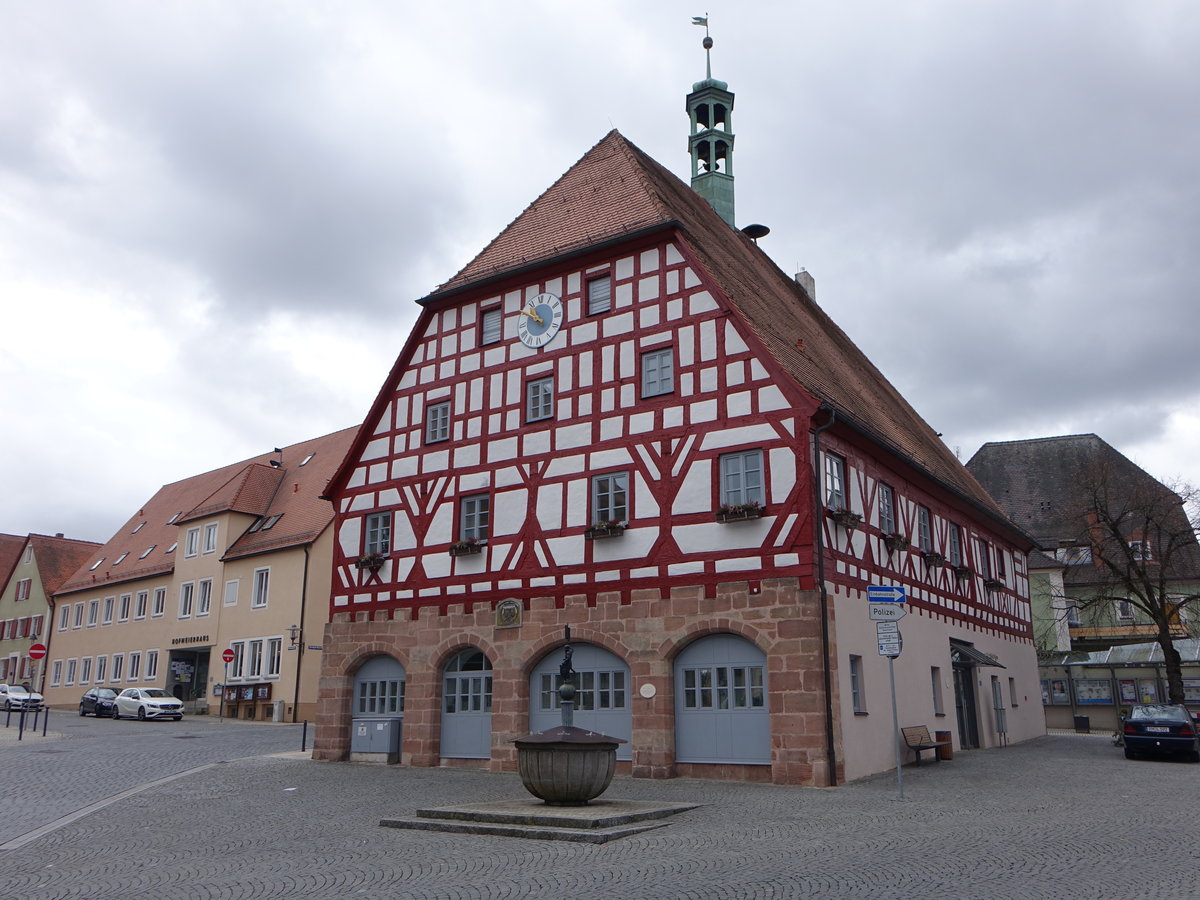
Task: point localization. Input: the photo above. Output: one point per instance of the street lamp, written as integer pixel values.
(294, 633)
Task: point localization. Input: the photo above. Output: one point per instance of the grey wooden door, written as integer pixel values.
(602, 702)
(721, 713)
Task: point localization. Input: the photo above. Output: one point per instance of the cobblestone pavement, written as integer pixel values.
(1059, 817)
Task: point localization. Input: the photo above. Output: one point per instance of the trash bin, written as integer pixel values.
(946, 752)
(1083, 725)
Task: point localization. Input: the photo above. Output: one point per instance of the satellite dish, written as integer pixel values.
(754, 232)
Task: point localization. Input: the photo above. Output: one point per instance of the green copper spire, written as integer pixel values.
(710, 142)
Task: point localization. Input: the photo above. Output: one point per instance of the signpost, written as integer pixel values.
(886, 609)
(227, 655)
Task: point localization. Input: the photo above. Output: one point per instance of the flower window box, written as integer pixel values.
(933, 560)
(845, 518)
(739, 512)
(372, 561)
(895, 542)
(993, 585)
(467, 547)
(962, 573)
(602, 530)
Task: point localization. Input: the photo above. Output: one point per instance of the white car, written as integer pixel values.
(146, 703)
(14, 696)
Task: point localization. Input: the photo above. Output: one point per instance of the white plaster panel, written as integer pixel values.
(687, 349)
(771, 397)
(571, 436)
(466, 456)
(757, 370)
(564, 409)
(401, 419)
(609, 459)
(474, 427)
(389, 497)
(645, 506)
(673, 417)
(735, 373)
(448, 369)
(687, 568)
(566, 465)
(403, 536)
(508, 511)
(674, 257)
(493, 356)
(536, 368)
(607, 364)
(787, 559)
(708, 379)
(738, 404)
(408, 379)
(675, 307)
(739, 564)
(710, 537)
(708, 341)
(438, 565)
(690, 278)
(618, 324)
(513, 387)
(566, 374)
(449, 345)
(695, 495)
(514, 300)
(648, 292)
(704, 411)
(554, 286)
(783, 473)
(418, 356)
(549, 506)
(378, 473)
(701, 302)
(640, 423)
(469, 314)
(568, 551)
(441, 526)
(625, 267)
(385, 420)
(428, 374)
(584, 332)
(729, 437)
(626, 359)
(437, 461)
(607, 576)
(501, 449)
(661, 337)
(577, 578)
(607, 400)
(573, 283)
(584, 369)
(612, 427)
(635, 543)
(623, 296)
(505, 477)
(361, 502)
(349, 534)
(341, 600)
(536, 443)
(375, 449)
(734, 342)
(628, 395)
(363, 598)
(404, 467)
(584, 402)
(650, 260)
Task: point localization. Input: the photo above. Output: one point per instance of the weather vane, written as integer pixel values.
(708, 42)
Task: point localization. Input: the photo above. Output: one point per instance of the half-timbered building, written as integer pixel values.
(622, 417)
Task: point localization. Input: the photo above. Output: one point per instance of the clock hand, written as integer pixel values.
(532, 315)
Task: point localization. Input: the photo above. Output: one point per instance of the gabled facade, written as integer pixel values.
(234, 559)
(623, 418)
(41, 563)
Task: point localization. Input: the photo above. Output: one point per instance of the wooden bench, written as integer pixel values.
(918, 739)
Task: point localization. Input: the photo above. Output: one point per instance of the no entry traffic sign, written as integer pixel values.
(227, 655)
(37, 651)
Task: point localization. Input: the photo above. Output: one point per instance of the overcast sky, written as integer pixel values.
(215, 218)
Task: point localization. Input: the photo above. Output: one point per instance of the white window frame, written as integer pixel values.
(191, 546)
(231, 591)
(835, 482)
(118, 667)
(262, 588)
(254, 658)
(135, 665)
(85, 670)
(151, 665)
(123, 606)
(274, 656)
(187, 599)
(377, 536)
(77, 621)
(437, 422)
(599, 301)
(985, 558)
(56, 673)
(210, 537)
(1124, 610)
(236, 664)
(610, 497)
(539, 399)
(24, 586)
(109, 605)
(204, 596)
(141, 605)
(101, 668)
(64, 617)
(743, 478)
(1141, 551)
(160, 602)
(858, 697)
(93, 613)
(658, 372)
(72, 670)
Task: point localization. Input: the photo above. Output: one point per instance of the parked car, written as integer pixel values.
(1155, 728)
(99, 701)
(146, 703)
(16, 696)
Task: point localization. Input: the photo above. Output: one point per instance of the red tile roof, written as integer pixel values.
(254, 487)
(615, 189)
(57, 558)
(10, 551)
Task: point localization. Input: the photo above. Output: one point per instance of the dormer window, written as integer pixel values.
(270, 523)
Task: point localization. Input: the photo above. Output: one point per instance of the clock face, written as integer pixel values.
(540, 320)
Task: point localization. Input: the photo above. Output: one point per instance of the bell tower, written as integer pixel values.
(710, 141)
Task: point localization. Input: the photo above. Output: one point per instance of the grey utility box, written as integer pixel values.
(375, 739)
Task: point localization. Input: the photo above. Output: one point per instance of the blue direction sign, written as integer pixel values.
(886, 593)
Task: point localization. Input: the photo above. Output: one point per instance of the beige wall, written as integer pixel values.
(205, 634)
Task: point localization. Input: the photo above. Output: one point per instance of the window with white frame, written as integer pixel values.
(887, 509)
(143, 599)
(1141, 551)
(985, 559)
(935, 680)
(658, 372)
(742, 478)
(1001, 569)
(204, 596)
(187, 596)
(210, 537)
(135, 665)
(475, 513)
(93, 612)
(262, 587)
(274, 656)
(610, 498)
(192, 543)
(85, 670)
(118, 666)
(160, 601)
(956, 555)
(379, 534)
(857, 695)
(151, 665)
(72, 667)
(64, 618)
(231, 591)
(437, 422)
(108, 609)
(28, 553)
(56, 673)
(235, 667)
(255, 661)
(599, 295)
(489, 326)
(924, 530)
(24, 586)
(77, 622)
(123, 607)
(101, 669)
(1124, 610)
(835, 481)
(539, 399)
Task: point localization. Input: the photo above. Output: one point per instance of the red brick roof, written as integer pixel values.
(254, 487)
(615, 189)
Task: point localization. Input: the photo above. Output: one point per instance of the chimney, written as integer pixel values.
(808, 283)
(59, 534)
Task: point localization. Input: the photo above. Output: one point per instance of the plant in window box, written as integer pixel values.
(845, 518)
(467, 546)
(962, 573)
(372, 561)
(994, 584)
(740, 511)
(895, 542)
(932, 559)
(605, 529)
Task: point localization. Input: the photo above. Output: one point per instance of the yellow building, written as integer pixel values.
(237, 559)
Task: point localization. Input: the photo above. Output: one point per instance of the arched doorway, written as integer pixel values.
(467, 706)
(377, 713)
(721, 713)
(602, 701)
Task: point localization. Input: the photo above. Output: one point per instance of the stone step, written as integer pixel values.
(537, 832)
(597, 814)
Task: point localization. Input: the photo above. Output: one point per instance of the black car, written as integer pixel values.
(98, 701)
(1161, 728)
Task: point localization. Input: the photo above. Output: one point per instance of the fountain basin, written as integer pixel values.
(565, 765)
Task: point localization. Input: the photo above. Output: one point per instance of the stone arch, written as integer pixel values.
(673, 646)
(548, 643)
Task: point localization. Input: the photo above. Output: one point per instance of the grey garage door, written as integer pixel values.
(721, 713)
(467, 706)
(602, 702)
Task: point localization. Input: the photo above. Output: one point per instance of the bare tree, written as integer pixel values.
(1142, 538)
